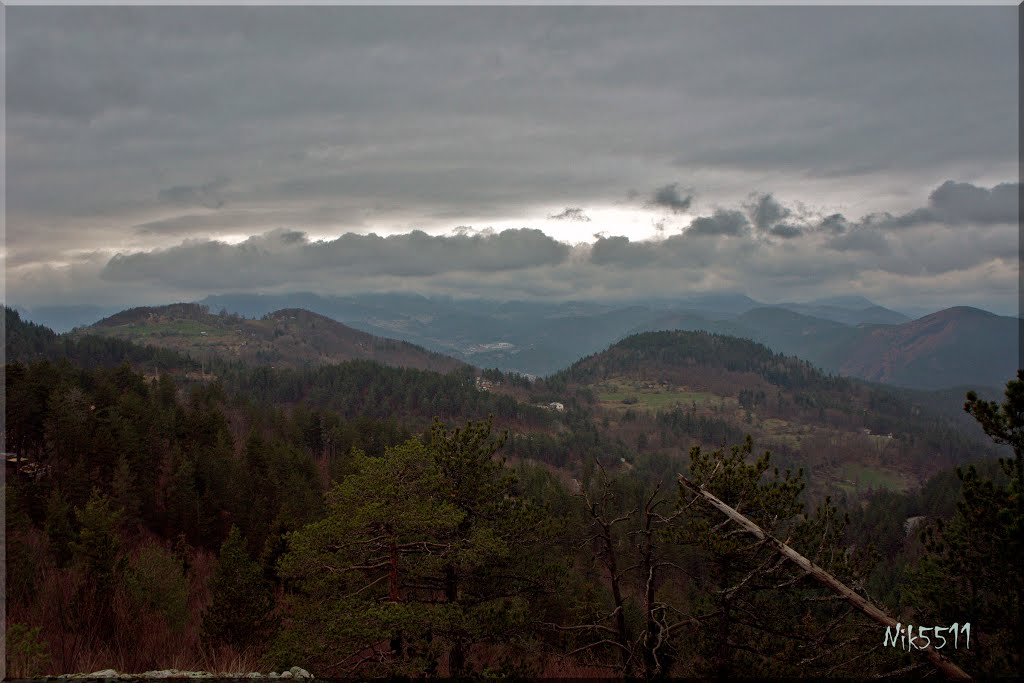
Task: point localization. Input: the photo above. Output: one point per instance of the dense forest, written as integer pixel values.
(361, 520)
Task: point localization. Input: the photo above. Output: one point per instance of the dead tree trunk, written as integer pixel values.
(939, 661)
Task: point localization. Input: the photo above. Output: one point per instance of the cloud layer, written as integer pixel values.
(732, 248)
(158, 152)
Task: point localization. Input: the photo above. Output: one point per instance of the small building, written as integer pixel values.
(556, 406)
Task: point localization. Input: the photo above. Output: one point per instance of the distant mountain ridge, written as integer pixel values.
(959, 346)
(287, 337)
(849, 334)
(62, 319)
(839, 334)
(868, 314)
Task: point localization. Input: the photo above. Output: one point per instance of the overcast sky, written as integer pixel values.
(162, 154)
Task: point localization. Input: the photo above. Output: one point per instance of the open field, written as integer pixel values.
(648, 396)
(859, 477)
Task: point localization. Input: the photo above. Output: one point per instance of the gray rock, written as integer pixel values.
(105, 673)
(287, 674)
(273, 674)
(299, 672)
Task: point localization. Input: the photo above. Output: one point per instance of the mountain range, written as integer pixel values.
(850, 335)
(653, 394)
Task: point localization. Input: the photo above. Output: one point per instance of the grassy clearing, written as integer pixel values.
(173, 328)
(861, 477)
(616, 393)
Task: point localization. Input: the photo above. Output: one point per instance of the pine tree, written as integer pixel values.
(424, 553)
(972, 572)
(97, 551)
(240, 614)
(97, 545)
(356, 571)
(758, 614)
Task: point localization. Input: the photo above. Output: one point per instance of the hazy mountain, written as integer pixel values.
(839, 334)
(532, 337)
(715, 305)
(956, 346)
(65, 318)
(878, 315)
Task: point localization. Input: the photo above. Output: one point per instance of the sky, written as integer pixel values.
(606, 153)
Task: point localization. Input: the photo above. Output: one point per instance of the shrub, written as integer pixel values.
(27, 652)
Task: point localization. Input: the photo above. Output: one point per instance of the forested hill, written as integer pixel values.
(664, 391)
(678, 353)
(26, 342)
(350, 390)
(289, 338)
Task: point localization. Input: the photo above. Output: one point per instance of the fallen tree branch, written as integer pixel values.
(939, 661)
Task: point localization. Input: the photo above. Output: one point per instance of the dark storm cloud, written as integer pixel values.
(766, 212)
(620, 251)
(834, 224)
(954, 202)
(668, 197)
(887, 220)
(281, 256)
(785, 231)
(862, 240)
(206, 195)
(722, 222)
(571, 214)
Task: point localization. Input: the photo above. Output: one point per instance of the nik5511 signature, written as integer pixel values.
(910, 637)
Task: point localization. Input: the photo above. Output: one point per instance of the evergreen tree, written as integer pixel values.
(424, 553)
(973, 572)
(98, 545)
(97, 551)
(498, 573)
(358, 572)
(758, 614)
(240, 614)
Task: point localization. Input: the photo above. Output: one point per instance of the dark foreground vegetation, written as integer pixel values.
(157, 519)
